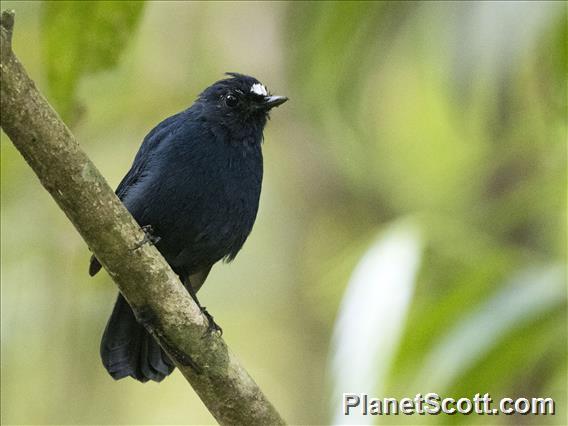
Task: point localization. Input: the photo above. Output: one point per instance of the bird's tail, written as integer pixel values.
(127, 349)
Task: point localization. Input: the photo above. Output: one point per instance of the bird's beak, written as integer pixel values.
(274, 101)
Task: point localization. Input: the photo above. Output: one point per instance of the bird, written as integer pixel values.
(194, 187)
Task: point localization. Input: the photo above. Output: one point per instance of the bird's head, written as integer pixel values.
(238, 101)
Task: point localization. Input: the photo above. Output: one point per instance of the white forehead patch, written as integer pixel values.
(259, 89)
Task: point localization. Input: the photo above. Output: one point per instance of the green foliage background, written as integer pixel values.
(452, 113)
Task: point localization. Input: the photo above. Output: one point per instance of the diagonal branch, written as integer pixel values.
(157, 297)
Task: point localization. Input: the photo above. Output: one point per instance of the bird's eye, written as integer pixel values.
(231, 100)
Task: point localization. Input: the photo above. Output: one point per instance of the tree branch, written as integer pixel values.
(153, 290)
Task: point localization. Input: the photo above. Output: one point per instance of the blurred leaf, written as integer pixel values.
(528, 296)
(372, 315)
(80, 38)
(339, 46)
(522, 363)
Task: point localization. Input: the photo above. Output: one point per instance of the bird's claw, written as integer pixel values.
(213, 327)
(149, 237)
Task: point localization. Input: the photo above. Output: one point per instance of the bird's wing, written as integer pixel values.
(149, 143)
(139, 164)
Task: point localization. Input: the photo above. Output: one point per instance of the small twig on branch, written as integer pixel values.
(143, 276)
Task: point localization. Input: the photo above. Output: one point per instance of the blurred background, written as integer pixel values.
(411, 235)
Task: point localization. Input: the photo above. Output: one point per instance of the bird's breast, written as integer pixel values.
(214, 200)
(234, 193)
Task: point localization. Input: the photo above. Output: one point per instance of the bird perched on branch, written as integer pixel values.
(195, 186)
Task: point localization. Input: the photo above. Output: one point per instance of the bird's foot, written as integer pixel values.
(149, 237)
(213, 326)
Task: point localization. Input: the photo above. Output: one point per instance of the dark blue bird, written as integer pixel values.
(195, 183)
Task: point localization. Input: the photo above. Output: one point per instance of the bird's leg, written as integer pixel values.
(213, 326)
(149, 237)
